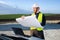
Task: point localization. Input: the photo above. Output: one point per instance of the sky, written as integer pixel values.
(46, 6)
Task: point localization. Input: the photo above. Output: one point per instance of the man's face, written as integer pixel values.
(35, 9)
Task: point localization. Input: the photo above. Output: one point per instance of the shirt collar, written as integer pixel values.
(37, 12)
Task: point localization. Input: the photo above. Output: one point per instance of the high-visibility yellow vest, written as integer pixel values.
(40, 20)
(39, 17)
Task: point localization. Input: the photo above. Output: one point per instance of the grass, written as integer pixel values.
(13, 16)
(52, 14)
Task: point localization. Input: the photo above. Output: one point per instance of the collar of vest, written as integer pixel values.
(39, 17)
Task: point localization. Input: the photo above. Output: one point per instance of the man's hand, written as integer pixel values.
(22, 17)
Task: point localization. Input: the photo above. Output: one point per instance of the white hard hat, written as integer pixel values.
(35, 5)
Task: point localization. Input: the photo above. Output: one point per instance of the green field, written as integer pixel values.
(13, 16)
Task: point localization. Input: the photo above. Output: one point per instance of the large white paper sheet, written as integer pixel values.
(29, 21)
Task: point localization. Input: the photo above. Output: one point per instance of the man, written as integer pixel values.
(38, 32)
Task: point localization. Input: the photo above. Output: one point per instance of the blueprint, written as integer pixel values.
(29, 21)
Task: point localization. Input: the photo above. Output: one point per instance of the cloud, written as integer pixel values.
(8, 3)
(3, 2)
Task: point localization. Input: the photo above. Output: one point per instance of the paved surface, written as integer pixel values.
(53, 34)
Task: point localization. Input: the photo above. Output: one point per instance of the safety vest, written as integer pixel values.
(40, 20)
(39, 17)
